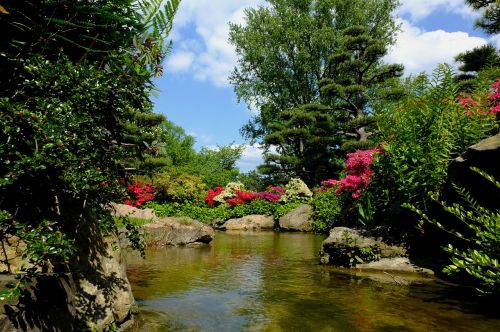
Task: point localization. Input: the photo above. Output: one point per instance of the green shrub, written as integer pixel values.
(327, 207)
(221, 213)
(423, 133)
(179, 188)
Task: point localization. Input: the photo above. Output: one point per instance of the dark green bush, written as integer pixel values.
(327, 207)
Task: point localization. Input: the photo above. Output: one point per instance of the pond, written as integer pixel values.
(272, 282)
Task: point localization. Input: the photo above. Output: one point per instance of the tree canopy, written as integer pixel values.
(290, 50)
(76, 78)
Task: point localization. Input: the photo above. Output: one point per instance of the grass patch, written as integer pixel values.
(133, 220)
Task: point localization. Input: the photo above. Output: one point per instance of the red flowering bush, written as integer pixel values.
(482, 105)
(358, 172)
(238, 197)
(211, 195)
(140, 193)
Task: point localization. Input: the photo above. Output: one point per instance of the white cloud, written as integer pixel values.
(214, 58)
(250, 158)
(201, 37)
(419, 50)
(180, 61)
(419, 9)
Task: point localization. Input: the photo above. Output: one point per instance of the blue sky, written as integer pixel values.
(195, 93)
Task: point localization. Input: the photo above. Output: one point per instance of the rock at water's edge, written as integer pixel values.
(177, 231)
(484, 155)
(251, 222)
(350, 248)
(95, 295)
(299, 219)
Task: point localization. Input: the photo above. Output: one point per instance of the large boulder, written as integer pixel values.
(351, 248)
(95, 296)
(177, 231)
(123, 210)
(299, 219)
(484, 155)
(253, 222)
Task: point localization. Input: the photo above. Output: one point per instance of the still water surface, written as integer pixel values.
(273, 282)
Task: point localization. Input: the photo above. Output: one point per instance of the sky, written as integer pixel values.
(196, 95)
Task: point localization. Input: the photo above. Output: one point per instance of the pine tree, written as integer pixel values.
(305, 144)
(357, 79)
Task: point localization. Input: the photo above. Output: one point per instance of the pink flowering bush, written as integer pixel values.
(359, 172)
(478, 104)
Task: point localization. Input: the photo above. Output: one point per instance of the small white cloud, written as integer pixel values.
(180, 61)
(419, 9)
(250, 158)
(419, 50)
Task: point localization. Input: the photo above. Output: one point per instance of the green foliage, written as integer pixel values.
(327, 207)
(306, 144)
(357, 76)
(221, 213)
(478, 255)
(74, 97)
(202, 213)
(215, 167)
(423, 133)
(284, 52)
(490, 10)
(482, 62)
(179, 187)
(173, 143)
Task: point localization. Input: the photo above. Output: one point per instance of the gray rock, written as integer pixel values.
(484, 155)
(252, 222)
(299, 219)
(123, 210)
(177, 231)
(350, 248)
(95, 295)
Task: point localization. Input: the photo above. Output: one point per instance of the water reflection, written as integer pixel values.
(272, 282)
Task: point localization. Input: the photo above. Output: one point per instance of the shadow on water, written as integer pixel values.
(273, 282)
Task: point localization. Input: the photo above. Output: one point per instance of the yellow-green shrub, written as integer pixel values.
(179, 187)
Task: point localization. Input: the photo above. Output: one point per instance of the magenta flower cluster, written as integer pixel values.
(358, 172)
(483, 107)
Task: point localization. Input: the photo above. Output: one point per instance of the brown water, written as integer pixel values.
(272, 282)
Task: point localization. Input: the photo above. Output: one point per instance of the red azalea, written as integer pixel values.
(234, 201)
(246, 196)
(211, 195)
